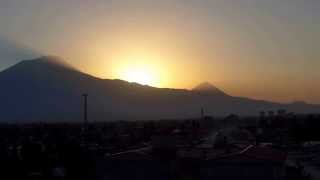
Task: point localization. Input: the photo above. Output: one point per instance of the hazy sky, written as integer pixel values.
(264, 49)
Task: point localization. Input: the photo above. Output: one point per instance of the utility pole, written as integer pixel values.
(202, 113)
(85, 112)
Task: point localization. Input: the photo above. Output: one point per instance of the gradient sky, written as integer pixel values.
(263, 49)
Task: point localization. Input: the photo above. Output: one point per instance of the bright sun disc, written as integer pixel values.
(141, 76)
(141, 68)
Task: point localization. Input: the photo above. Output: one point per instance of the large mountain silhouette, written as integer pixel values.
(49, 90)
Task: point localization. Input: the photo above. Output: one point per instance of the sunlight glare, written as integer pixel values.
(141, 75)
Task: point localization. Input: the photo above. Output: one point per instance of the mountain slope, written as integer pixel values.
(47, 89)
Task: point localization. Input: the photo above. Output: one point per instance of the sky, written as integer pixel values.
(262, 49)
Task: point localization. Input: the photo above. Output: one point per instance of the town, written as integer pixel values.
(279, 145)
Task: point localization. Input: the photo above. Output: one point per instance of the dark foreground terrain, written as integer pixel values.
(273, 146)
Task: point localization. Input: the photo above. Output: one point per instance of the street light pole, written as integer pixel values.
(85, 111)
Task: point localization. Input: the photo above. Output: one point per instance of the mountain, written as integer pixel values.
(48, 89)
(209, 89)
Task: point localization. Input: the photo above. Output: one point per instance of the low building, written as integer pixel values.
(254, 162)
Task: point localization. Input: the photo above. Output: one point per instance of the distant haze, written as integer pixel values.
(262, 49)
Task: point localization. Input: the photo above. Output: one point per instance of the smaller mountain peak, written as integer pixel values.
(205, 86)
(208, 88)
(299, 103)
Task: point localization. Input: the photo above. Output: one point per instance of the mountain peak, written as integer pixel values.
(208, 88)
(40, 66)
(205, 86)
(44, 62)
(52, 60)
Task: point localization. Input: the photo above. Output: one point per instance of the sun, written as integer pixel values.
(140, 75)
(139, 67)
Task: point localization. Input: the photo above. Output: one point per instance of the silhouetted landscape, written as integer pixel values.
(132, 131)
(159, 90)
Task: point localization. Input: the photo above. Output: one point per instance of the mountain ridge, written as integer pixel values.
(45, 91)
